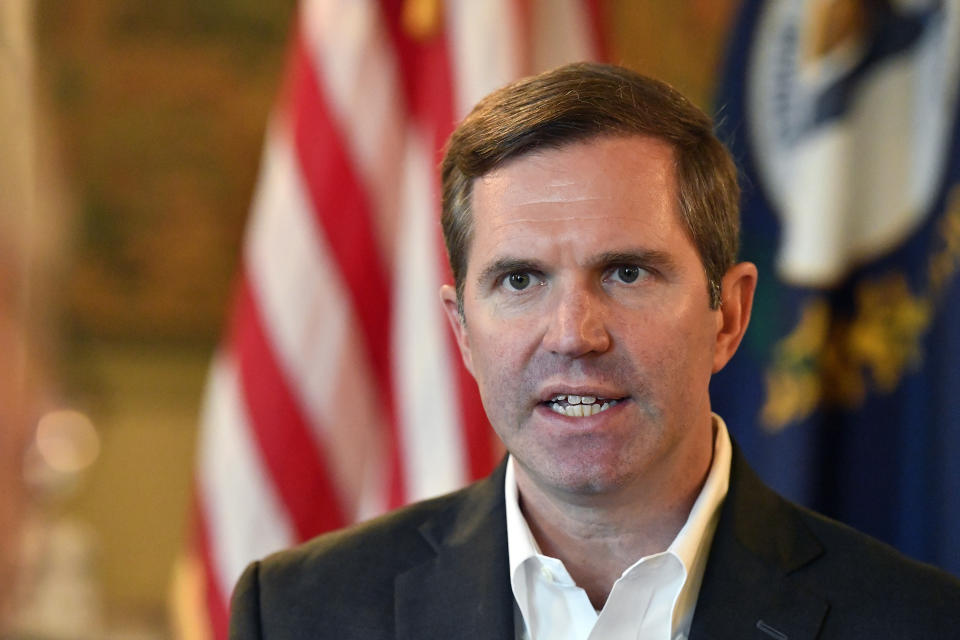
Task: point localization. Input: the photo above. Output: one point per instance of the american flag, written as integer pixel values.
(338, 392)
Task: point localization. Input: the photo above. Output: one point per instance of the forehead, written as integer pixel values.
(606, 190)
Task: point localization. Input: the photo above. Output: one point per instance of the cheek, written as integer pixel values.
(490, 350)
(501, 351)
(692, 359)
(498, 379)
(673, 349)
(498, 338)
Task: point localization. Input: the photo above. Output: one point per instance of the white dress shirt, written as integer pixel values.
(653, 599)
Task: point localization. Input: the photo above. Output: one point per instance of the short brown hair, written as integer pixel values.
(581, 101)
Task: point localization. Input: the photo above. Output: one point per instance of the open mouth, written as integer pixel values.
(580, 406)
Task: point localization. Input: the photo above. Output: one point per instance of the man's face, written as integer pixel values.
(584, 295)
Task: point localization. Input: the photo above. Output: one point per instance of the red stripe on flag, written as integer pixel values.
(427, 82)
(286, 443)
(425, 76)
(597, 14)
(343, 211)
(217, 602)
(523, 12)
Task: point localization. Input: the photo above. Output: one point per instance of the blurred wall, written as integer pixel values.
(14, 106)
(160, 109)
(29, 239)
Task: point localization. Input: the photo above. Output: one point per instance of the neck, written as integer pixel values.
(599, 536)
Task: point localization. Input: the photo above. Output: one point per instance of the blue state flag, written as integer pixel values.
(842, 116)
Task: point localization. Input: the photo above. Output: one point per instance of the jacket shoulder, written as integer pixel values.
(371, 551)
(344, 580)
(807, 575)
(871, 589)
(861, 569)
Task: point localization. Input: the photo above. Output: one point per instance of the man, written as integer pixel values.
(591, 221)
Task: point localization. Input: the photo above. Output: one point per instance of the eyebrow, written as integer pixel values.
(506, 265)
(650, 258)
(656, 259)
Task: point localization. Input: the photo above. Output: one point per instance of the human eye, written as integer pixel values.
(626, 273)
(519, 280)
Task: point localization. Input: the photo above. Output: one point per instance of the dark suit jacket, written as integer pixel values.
(438, 569)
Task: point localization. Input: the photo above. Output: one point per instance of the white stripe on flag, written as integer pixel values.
(562, 33)
(306, 315)
(357, 70)
(434, 452)
(245, 519)
(485, 48)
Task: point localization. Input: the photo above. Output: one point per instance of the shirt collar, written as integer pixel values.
(706, 509)
(691, 545)
(520, 541)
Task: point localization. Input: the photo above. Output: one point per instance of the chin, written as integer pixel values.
(582, 478)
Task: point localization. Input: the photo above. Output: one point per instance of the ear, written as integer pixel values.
(448, 296)
(733, 316)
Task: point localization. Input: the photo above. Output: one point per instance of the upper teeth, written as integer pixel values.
(575, 399)
(579, 406)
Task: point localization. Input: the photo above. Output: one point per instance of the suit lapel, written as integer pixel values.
(746, 590)
(463, 590)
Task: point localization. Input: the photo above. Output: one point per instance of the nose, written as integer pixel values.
(577, 325)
